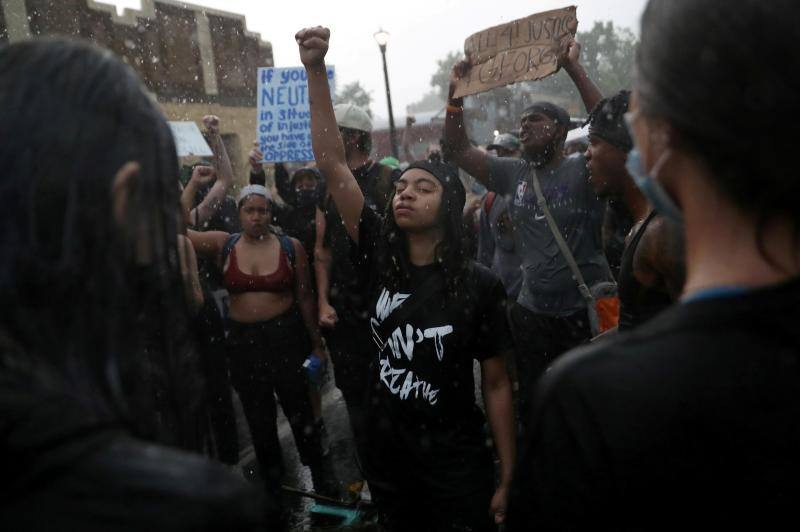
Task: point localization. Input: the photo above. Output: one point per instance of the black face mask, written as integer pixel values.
(306, 198)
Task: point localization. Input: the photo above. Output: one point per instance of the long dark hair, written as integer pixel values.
(394, 266)
(724, 76)
(99, 303)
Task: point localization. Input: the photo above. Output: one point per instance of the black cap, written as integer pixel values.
(558, 114)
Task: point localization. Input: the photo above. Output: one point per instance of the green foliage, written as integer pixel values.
(440, 81)
(356, 94)
(432, 101)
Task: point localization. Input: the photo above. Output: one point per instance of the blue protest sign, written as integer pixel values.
(284, 119)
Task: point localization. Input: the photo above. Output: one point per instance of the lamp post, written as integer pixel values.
(382, 38)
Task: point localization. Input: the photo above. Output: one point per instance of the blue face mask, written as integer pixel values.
(650, 187)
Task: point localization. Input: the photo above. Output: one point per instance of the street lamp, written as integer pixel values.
(382, 38)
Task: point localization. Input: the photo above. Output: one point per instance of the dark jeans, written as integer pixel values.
(266, 358)
(540, 339)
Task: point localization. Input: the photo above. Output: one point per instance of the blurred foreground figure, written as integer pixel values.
(692, 421)
(93, 324)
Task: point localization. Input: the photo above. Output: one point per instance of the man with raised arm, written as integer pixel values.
(550, 315)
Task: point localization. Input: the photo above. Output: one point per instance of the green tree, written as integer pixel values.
(440, 81)
(356, 94)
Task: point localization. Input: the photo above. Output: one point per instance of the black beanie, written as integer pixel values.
(453, 194)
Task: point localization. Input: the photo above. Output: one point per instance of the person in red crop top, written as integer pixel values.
(273, 328)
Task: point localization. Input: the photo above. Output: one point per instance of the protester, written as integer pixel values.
(693, 419)
(425, 456)
(272, 330)
(341, 305)
(495, 231)
(505, 145)
(205, 198)
(92, 293)
(550, 316)
(652, 272)
(204, 204)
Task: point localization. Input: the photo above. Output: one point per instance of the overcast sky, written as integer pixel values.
(422, 31)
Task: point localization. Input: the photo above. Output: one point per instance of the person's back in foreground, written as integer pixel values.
(93, 324)
(693, 420)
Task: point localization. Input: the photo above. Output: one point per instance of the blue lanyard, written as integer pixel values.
(715, 293)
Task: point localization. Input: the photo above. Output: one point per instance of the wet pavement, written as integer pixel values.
(306, 514)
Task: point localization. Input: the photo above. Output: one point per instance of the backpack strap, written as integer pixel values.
(288, 247)
(229, 243)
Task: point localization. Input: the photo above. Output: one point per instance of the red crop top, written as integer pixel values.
(237, 282)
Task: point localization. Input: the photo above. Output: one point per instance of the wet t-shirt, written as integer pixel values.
(547, 283)
(424, 431)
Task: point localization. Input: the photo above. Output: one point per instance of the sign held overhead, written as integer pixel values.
(284, 117)
(188, 140)
(521, 50)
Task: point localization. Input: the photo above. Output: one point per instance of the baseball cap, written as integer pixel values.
(507, 141)
(352, 117)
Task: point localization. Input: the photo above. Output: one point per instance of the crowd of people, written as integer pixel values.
(600, 339)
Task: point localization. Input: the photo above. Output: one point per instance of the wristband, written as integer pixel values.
(454, 109)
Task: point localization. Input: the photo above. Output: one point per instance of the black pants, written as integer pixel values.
(540, 339)
(266, 358)
(401, 512)
(214, 364)
(350, 346)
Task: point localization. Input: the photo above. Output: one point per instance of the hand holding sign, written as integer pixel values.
(569, 54)
(313, 43)
(255, 157)
(520, 50)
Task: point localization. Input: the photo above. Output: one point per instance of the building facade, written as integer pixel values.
(194, 60)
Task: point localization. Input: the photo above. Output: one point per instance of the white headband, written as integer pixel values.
(259, 190)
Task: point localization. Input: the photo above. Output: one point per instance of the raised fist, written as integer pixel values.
(211, 123)
(255, 157)
(203, 174)
(313, 44)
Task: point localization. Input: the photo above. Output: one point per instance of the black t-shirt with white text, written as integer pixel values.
(425, 431)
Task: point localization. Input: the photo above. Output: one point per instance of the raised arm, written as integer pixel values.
(408, 153)
(222, 163)
(201, 176)
(569, 60)
(456, 143)
(326, 141)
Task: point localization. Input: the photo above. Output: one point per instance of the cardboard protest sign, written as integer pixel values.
(284, 118)
(521, 50)
(188, 140)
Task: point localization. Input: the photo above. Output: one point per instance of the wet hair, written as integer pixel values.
(723, 76)
(395, 266)
(78, 295)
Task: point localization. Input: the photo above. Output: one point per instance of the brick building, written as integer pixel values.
(195, 60)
